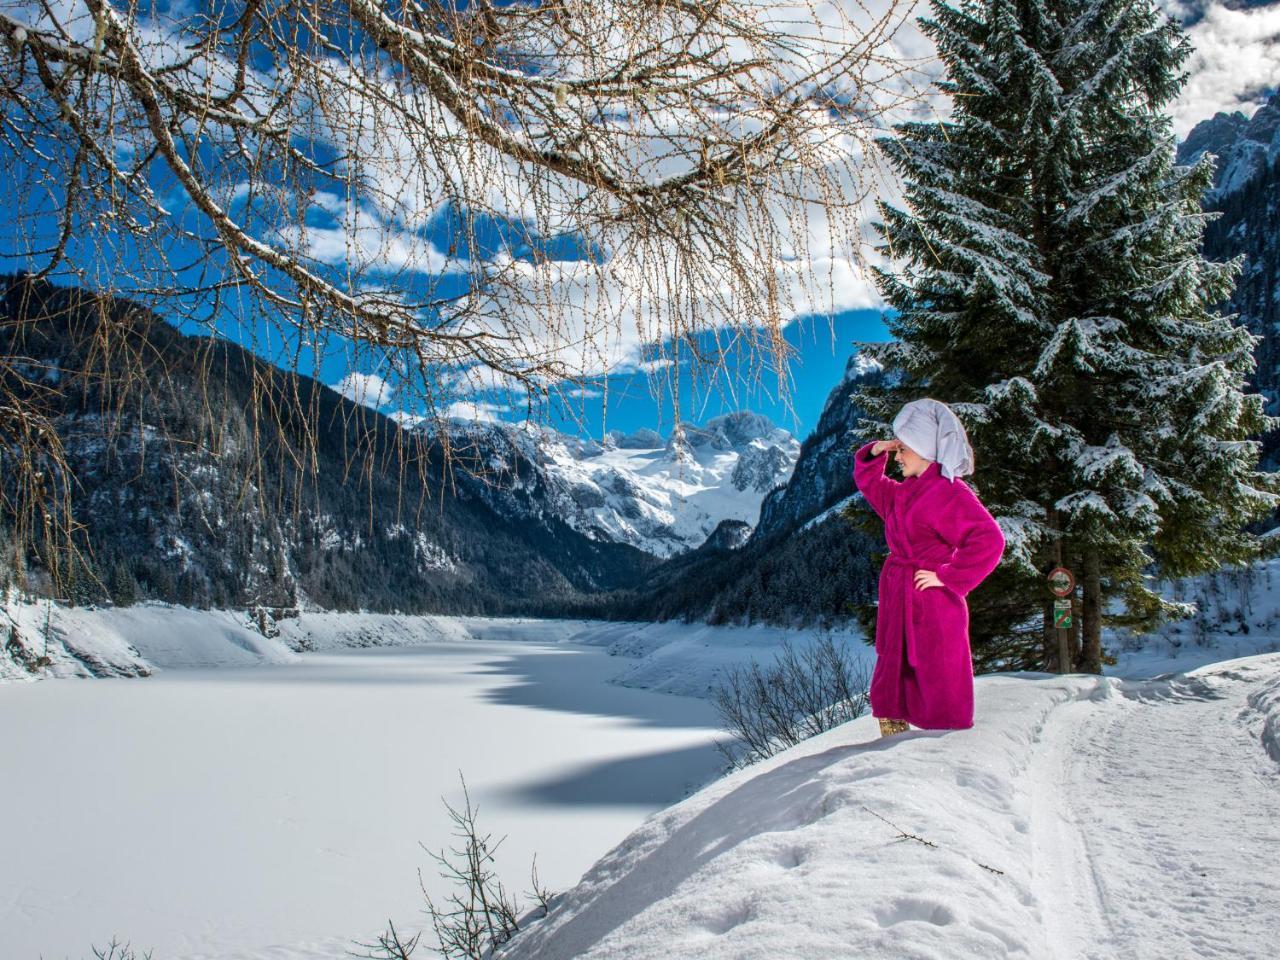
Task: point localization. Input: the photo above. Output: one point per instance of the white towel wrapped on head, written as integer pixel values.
(929, 428)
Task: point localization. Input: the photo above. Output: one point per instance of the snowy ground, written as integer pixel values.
(1082, 817)
(248, 802)
(1134, 815)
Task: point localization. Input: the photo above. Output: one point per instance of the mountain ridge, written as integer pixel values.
(176, 506)
(663, 496)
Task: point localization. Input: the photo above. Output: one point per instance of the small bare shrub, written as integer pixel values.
(116, 950)
(481, 914)
(802, 694)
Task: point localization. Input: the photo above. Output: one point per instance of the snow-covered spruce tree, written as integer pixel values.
(1047, 285)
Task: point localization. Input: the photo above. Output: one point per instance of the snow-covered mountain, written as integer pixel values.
(1244, 146)
(664, 496)
(802, 563)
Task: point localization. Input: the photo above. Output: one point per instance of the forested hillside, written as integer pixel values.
(195, 483)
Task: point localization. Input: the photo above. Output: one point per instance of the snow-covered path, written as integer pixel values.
(1157, 820)
(1082, 817)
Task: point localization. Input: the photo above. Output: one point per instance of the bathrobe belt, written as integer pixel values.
(909, 652)
(908, 561)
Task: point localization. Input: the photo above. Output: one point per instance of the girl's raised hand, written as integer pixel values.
(883, 445)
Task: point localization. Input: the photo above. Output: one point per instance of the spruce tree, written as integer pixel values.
(123, 587)
(1047, 285)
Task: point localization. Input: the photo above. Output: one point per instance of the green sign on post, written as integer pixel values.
(1062, 613)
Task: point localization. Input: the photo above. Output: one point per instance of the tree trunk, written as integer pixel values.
(1050, 640)
(1077, 619)
(1091, 619)
(1061, 647)
(1053, 549)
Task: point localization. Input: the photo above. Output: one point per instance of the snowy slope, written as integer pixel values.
(1145, 803)
(663, 496)
(130, 642)
(139, 640)
(1081, 817)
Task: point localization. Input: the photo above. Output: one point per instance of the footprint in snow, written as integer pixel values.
(911, 908)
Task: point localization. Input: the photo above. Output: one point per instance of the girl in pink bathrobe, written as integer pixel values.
(942, 544)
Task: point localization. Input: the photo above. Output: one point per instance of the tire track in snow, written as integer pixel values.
(1156, 816)
(1071, 893)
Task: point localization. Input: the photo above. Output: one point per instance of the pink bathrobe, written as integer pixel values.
(924, 669)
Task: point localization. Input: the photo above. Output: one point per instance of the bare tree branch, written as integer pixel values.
(509, 199)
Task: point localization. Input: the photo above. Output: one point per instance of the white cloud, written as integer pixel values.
(365, 388)
(361, 239)
(652, 366)
(1237, 57)
(475, 410)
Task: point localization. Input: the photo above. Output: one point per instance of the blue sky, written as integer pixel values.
(822, 344)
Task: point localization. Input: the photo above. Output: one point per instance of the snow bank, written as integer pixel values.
(1265, 703)
(947, 843)
(673, 657)
(129, 641)
(690, 658)
(1237, 614)
(791, 857)
(48, 640)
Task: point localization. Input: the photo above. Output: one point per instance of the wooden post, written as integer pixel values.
(1063, 584)
(1091, 614)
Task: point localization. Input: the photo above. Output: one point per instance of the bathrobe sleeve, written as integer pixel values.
(870, 479)
(974, 535)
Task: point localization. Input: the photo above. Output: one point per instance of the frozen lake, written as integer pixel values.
(276, 811)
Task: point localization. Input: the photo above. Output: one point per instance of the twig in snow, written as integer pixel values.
(116, 950)
(903, 835)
